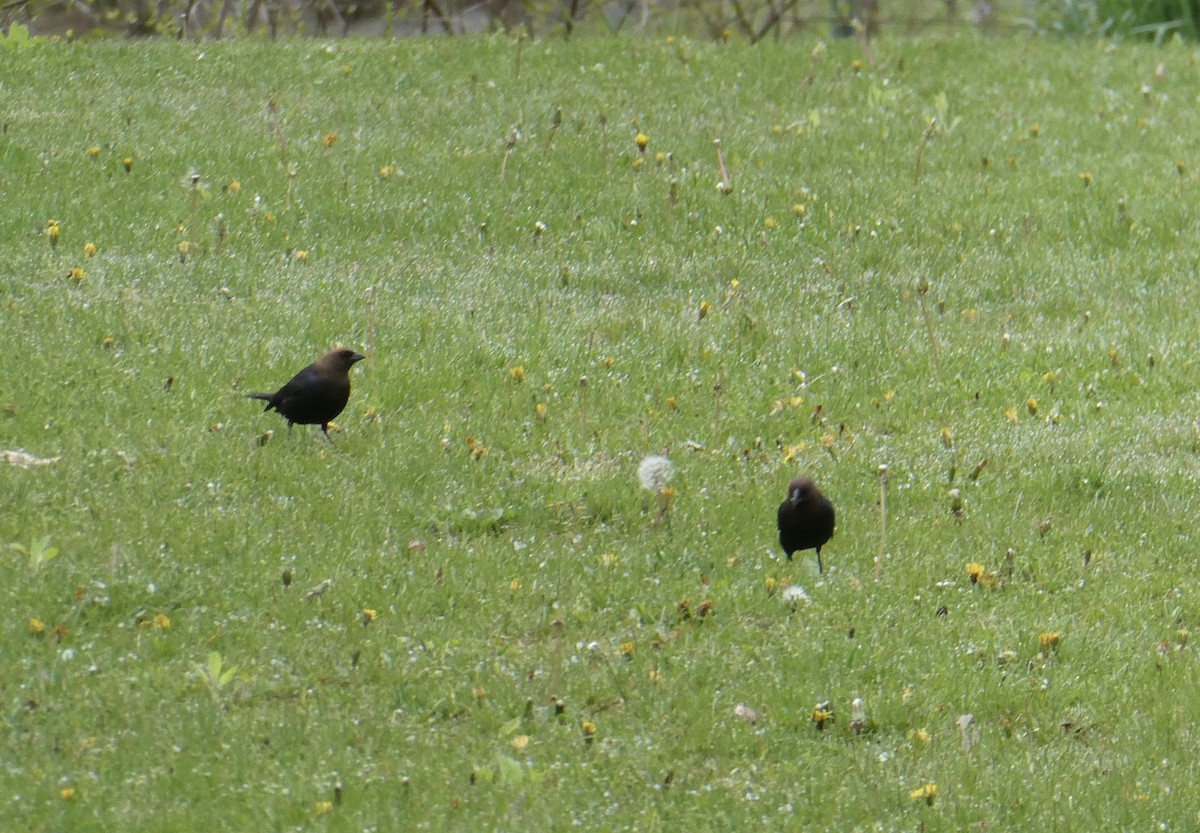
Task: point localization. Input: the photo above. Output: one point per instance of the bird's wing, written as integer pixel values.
(299, 386)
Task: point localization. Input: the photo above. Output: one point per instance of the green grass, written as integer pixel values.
(1058, 236)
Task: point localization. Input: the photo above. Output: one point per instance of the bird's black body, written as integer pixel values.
(806, 519)
(316, 394)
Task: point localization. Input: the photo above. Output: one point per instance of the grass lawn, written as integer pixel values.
(974, 263)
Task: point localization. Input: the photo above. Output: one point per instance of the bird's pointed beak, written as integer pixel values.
(357, 357)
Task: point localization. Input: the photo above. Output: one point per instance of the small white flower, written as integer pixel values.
(655, 472)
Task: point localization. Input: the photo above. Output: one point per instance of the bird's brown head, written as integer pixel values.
(800, 490)
(342, 358)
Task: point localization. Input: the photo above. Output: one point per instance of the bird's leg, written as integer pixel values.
(325, 431)
(820, 568)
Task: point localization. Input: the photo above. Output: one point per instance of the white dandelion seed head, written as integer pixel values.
(793, 594)
(655, 472)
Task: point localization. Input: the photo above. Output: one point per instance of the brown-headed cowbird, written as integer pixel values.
(805, 519)
(316, 394)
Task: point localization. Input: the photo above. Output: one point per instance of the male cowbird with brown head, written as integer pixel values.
(805, 519)
(316, 394)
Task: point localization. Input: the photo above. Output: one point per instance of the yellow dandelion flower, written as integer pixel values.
(1031, 405)
(659, 158)
(769, 223)
(672, 403)
(108, 342)
(479, 451)
(920, 736)
(609, 361)
(520, 743)
(368, 616)
(975, 571)
(1035, 130)
(627, 650)
(127, 162)
(162, 622)
(793, 452)
(52, 229)
(77, 274)
(322, 807)
(329, 139)
(233, 187)
(1086, 178)
(386, 172)
(771, 584)
(1010, 414)
(89, 249)
(588, 728)
(641, 140)
(36, 626)
(856, 65)
(514, 585)
(517, 372)
(67, 793)
(93, 151)
(301, 255)
(539, 411)
(705, 308)
(609, 560)
(800, 209)
(1049, 640)
(654, 676)
(926, 793)
(820, 716)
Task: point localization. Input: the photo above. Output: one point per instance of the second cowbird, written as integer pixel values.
(316, 394)
(805, 519)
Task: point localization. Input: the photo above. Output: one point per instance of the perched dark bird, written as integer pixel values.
(805, 519)
(316, 394)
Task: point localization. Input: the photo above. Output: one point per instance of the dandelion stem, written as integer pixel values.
(520, 46)
(922, 289)
(288, 170)
(370, 293)
(930, 133)
(725, 184)
(882, 522)
(718, 388)
(863, 30)
(604, 142)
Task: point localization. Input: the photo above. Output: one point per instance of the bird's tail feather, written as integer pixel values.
(265, 397)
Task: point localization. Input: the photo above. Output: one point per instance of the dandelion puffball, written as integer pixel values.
(655, 472)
